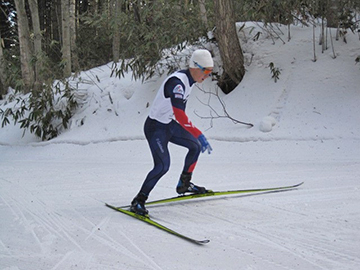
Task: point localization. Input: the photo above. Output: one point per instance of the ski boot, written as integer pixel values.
(138, 205)
(184, 185)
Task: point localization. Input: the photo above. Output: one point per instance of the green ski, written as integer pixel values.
(148, 220)
(157, 225)
(218, 193)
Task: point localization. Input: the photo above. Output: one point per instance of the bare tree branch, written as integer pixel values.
(216, 115)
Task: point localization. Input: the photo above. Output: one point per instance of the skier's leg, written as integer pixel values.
(157, 135)
(183, 138)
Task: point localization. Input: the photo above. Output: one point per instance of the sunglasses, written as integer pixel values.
(204, 70)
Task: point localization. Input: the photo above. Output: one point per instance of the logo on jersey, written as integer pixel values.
(179, 91)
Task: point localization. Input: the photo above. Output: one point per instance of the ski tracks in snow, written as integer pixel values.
(301, 242)
(56, 237)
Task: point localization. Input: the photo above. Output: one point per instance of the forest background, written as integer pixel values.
(44, 42)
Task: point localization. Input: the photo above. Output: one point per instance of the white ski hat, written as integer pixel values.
(202, 57)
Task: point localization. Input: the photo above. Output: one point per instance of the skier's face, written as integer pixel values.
(199, 75)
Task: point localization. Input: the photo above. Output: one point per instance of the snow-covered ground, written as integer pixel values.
(306, 128)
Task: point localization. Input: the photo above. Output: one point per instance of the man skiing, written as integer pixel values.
(168, 122)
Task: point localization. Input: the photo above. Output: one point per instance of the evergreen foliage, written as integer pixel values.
(275, 72)
(156, 27)
(44, 113)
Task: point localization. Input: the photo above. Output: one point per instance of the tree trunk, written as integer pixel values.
(3, 87)
(229, 46)
(332, 16)
(25, 46)
(137, 16)
(2, 90)
(73, 24)
(33, 4)
(203, 14)
(116, 30)
(66, 39)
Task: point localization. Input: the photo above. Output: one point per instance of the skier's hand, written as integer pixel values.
(204, 144)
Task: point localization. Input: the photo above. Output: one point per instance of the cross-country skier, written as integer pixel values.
(168, 122)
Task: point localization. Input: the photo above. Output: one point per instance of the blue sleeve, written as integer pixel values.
(175, 90)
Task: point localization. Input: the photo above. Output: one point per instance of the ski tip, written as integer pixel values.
(201, 242)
